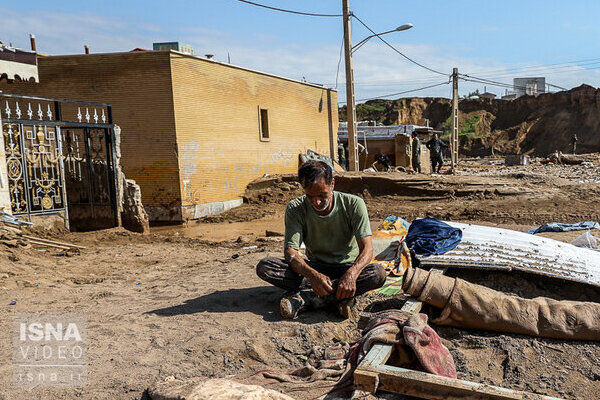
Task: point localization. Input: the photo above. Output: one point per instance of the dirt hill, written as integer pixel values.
(530, 125)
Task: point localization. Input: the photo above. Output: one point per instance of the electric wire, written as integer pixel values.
(565, 66)
(485, 72)
(337, 73)
(289, 11)
(505, 85)
(395, 49)
(399, 93)
(548, 70)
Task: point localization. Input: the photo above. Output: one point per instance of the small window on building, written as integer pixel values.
(263, 115)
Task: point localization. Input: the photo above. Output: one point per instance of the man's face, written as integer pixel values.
(320, 195)
(435, 136)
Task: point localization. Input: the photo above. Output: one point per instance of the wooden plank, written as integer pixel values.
(378, 355)
(365, 380)
(372, 374)
(413, 305)
(54, 242)
(429, 386)
(57, 246)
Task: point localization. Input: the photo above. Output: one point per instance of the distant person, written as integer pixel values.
(335, 229)
(347, 154)
(361, 149)
(574, 141)
(342, 159)
(416, 153)
(436, 148)
(384, 160)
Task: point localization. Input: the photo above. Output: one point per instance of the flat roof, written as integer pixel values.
(199, 59)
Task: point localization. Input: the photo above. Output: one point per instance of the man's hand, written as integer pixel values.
(347, 286)
(321, 284)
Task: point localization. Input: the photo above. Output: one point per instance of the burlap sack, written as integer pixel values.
(467, 305)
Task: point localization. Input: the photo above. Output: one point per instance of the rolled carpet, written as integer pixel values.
(466, 305)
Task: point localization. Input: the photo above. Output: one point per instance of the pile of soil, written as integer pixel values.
(524, 195)
(529, 125)
(263, 196)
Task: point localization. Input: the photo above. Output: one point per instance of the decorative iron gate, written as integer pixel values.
(60, 165)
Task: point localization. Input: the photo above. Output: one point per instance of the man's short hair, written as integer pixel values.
(311, 171)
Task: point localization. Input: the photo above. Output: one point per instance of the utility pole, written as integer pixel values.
(32, 40)
(350, 102)
(454, 140)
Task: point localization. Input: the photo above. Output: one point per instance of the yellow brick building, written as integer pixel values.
(195, 132)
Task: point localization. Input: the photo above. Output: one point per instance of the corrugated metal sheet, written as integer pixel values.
(486, 247)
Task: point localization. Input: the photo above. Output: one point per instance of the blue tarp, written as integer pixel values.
(560, 227)
(429, 236)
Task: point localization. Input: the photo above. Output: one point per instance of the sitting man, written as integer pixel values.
(335, 228)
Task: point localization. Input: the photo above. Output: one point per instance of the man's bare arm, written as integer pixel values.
(321, 284)
(347, 285)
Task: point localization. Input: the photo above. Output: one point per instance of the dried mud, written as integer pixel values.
(200, 310)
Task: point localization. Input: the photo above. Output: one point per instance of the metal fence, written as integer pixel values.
(60, 159)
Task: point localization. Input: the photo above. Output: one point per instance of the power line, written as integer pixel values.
(396, 50)
(389, 83)
(289, 11)
(337, 73)
(399, 93)
(502, 85)
(570, 63)
(550, 70)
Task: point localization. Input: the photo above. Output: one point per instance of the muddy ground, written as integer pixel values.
(185, 302)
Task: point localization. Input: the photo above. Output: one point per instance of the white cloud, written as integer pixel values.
(378, 70)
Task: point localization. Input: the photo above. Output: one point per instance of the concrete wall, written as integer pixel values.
(218, 127)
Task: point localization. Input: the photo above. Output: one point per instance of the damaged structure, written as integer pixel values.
(59, 159)
(58, 162)
(395, 141)
(195, 131)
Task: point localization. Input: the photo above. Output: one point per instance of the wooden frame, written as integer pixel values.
(264, 128)
(373, 374)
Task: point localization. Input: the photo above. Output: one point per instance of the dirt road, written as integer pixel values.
(168, 305)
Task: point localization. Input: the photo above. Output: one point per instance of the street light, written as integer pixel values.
(404, 27)
(350, 100)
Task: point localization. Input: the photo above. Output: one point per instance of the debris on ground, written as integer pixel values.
(212, 389)
(586, 240)
(467, 305)
(414, 341)
(208, 286)
(561, 227)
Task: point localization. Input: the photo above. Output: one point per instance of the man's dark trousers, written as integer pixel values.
(277, 272)
(416, 163)
(436, 159)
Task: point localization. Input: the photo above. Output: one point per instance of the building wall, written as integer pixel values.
(190, 126)
(521, 83)
(138, 85)
(218, 128)
(375, 147)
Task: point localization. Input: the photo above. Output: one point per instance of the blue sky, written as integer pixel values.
(491, 39)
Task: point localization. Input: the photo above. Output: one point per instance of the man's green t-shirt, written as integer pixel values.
(330, 238)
